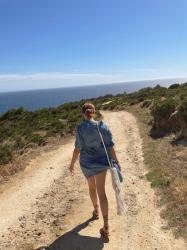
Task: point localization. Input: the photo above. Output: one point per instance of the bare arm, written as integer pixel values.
(75, 155)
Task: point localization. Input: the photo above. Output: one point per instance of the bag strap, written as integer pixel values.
(103, 145)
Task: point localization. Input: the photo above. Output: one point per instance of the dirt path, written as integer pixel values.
(44, 206)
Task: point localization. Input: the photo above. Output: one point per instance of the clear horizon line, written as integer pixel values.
(108, 83)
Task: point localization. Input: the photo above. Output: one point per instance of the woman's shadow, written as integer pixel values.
(72, 240)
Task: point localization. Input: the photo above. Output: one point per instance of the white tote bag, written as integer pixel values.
(121, 208)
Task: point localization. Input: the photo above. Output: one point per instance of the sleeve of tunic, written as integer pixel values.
(108, 137)
(78, 140)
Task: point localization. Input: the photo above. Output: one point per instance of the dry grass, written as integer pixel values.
(20, 161)
(167, 165)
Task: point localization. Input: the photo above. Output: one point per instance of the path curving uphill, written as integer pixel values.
(45, 206)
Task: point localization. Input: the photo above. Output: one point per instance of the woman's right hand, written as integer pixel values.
(76, 153)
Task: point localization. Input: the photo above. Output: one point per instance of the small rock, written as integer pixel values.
(22, 218)
(56, 222)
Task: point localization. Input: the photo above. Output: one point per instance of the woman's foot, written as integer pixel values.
(104, 231)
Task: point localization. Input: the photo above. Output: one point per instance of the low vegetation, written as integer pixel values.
(21, 130)
(162, 117)
(167, 172)
(168, 107)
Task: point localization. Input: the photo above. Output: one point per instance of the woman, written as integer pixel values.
(93, 160)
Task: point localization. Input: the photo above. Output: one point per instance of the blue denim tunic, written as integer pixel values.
(93, 159)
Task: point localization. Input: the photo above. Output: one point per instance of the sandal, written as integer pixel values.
(104, 232)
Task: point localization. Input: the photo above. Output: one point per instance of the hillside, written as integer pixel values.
(21, 129)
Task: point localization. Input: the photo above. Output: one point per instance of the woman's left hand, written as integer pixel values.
(71, 169)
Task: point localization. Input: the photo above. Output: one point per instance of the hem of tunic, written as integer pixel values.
(88, 172)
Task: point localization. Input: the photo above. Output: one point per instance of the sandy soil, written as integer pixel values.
(45, 206)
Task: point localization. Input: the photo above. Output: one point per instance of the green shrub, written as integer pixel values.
(133, 102)
(19, 143)
(141, 99)
(35, 138)
(13, 114)
(183, 96)
(163, 109)
(182, 110)
(174, 86)
(184, 84)
(5, 153)
(156, 179)
(146, 103)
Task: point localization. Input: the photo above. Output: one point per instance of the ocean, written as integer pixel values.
(37, 99)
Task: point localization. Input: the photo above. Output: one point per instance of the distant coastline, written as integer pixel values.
(165, 81)
(45, 98)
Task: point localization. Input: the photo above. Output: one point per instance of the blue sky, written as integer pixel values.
(58, 43)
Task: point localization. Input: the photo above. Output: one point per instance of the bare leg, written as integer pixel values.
(92, 192)
(100, 184)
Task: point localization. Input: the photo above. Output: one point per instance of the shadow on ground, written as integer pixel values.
(73, 241)
(179, 142)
